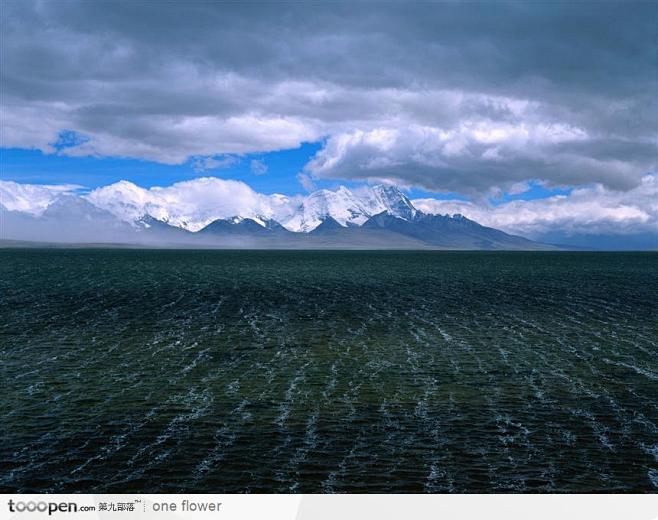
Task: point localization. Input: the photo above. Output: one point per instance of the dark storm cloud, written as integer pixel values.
(465, 93)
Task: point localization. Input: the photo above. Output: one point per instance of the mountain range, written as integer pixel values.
(380, 217)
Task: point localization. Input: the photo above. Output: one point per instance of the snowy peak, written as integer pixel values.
(240, 225)
(222, 213)
(341, 205)
(128, 202)
(193, 205)
(348, 208)
(393, 201)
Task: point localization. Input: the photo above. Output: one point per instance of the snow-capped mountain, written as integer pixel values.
(190, 205)
(341, 205)
(240, 225)
(393, 201)
(348, 208)
(211, 212)
(193, 205)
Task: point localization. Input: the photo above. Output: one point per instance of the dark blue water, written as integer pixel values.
(126, 370)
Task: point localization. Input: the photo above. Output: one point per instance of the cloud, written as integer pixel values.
(592, 210)
(202, 164)
(189, 204)
(306, 182)
(519, 188)
(31, 198)
(478, 155)
(442, 96)
(258, 167)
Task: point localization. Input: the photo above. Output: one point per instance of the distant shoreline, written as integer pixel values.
(27, 244)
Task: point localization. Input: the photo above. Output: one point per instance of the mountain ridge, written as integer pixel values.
(378, 217)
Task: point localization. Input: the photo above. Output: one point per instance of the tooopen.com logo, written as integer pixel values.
(47, 507)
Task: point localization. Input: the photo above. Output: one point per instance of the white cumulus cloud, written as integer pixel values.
(258, 167)
(189, 204)
(589, 210)
(202, 164)
(474, 156)
(31, 198)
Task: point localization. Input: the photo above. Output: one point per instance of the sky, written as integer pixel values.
(543, 111)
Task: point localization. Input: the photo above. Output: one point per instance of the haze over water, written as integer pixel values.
(197, 371)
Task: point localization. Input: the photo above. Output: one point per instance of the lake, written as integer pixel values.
(332, 371)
